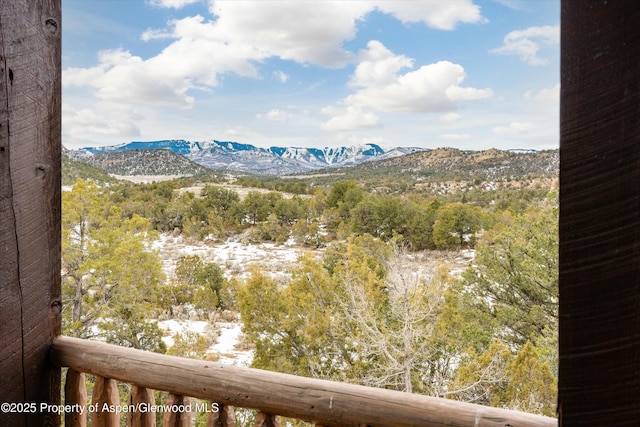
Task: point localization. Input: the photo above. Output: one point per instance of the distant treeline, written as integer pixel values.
(343, 209)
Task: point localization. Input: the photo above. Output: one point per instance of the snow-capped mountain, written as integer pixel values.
(248, 158)
(178, 146)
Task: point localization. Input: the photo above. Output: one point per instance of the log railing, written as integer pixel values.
(272, 394)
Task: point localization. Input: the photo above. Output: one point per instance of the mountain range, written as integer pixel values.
(185, 158)
(228, 155)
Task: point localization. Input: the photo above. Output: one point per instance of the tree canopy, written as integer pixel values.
(358, 305)
(111, 280)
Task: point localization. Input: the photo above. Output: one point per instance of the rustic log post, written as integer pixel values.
(177, 418)
(75, 393)
(30, 153)
(224, 417)
(105, 400)
(599, 376)
(141, 418)
(267, 420)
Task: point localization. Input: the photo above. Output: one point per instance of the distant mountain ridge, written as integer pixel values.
(229, 155)
(182, 157)
(452, 164)
(139, 162)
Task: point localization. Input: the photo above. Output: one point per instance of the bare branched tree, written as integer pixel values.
(398, 334)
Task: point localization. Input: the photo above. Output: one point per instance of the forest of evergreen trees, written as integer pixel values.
(357, 313)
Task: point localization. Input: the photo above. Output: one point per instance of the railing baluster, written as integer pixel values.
(139, 418)
(267, 420)
(225, 417)
(105, 396)
(75, 393)
(177, 419)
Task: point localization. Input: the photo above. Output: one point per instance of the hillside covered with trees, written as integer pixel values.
(371, 298)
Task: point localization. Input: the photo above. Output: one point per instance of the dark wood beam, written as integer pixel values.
(599, 377)
(30, 149)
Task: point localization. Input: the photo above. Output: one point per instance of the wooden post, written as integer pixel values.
(225, 417)
(141, 418)
(75, 396)
(599, 376)
(267, 420)
(30, 153)
(105, 396)
(177, 418)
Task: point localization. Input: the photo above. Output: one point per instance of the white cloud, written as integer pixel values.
(349, 118)
(243, 35)
(526, 43)
(378, 66)
(443, 15)
(513, 128)
(455, 136)
(431, 88)
(281, 75)
(380, 85)
(155, 34)
(362, 140)
(449, 117)
(457, 93)
(239, 133)
(80, 125)
(275, 115)
(292, 30)
(239, 35)
(122, 77)
(193, 62)
(550, 95)
(175, 4)
(314, 32)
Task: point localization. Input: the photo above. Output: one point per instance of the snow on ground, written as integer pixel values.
(239, 189)
(173, 326)
(426, 263)
(146, 179)
(229, 347)
(235, 258)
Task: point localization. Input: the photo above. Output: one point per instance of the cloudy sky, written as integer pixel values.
(469, 74)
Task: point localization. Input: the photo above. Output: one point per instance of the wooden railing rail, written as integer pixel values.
(326, 403)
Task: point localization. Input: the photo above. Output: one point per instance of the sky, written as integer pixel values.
(467, 74)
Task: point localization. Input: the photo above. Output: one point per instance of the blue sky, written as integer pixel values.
(424, 73)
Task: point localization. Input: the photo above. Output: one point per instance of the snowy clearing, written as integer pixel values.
(236, 259)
